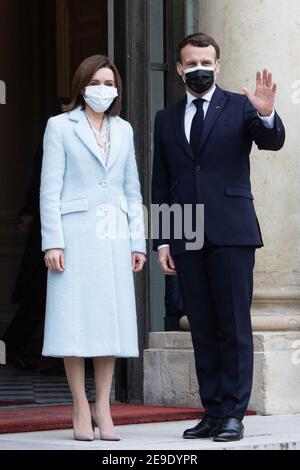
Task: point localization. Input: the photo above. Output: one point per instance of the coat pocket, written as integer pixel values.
(74, 205)
(238, 191)
(123, 203)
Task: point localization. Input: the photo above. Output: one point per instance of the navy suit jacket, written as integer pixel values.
(219, 175)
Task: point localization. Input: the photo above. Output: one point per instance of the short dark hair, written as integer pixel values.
(83, 76)
(198, 40)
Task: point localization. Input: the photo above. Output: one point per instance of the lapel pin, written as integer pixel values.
(218, 107)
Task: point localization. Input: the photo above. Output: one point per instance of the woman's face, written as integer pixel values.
(104, 76)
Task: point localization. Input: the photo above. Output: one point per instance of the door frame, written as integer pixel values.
(132, 57)
(63, 77)
(129, 47)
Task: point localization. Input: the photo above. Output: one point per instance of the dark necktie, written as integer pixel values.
(197, 124)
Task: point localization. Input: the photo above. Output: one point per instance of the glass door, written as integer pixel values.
(158, 69)
(169, 22)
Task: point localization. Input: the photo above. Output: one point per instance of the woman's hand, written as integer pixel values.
(54, 259)
(138, 260)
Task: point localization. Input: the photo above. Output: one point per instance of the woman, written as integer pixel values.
(89, 187)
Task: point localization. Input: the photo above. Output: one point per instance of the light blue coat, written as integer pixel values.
(95, 213)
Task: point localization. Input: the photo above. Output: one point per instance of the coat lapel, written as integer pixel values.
(215, 108)
(116, 136)
(85, 134)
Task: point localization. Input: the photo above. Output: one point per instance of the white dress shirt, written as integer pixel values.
(190, 111)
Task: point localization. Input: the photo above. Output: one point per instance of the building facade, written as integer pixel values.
(41, 45)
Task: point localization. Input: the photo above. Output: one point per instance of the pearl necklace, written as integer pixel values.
(95, 131)
(103, 145)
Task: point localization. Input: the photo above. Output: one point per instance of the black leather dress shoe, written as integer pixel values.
(206, 428)
(232, 429)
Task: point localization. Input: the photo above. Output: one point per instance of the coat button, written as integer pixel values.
(198, 168)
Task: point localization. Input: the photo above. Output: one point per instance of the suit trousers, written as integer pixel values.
(216, 284)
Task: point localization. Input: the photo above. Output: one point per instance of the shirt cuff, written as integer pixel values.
(268, 121)
(161, 246)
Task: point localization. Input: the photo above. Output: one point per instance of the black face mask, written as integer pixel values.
(199, 80)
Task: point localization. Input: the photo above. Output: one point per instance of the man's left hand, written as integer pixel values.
(264, 97)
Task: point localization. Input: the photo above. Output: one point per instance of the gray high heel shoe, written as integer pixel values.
(105, 436)
(83, 436)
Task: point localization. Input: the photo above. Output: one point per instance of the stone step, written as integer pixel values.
(261, 433)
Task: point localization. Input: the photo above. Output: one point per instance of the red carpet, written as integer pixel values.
(16, 402)
(45, 418)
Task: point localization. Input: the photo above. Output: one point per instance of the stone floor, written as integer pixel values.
(261, 432)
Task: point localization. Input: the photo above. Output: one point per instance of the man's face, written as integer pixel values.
(193, 56)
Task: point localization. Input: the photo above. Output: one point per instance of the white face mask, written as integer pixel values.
(100, 97)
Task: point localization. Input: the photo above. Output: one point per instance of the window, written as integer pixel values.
(192, 15)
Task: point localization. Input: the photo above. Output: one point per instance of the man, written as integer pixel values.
(201, 156)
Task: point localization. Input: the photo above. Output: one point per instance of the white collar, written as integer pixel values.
(207, 96)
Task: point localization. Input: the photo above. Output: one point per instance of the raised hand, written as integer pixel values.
(264, 97)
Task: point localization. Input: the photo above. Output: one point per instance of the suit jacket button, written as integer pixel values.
(197, 168)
